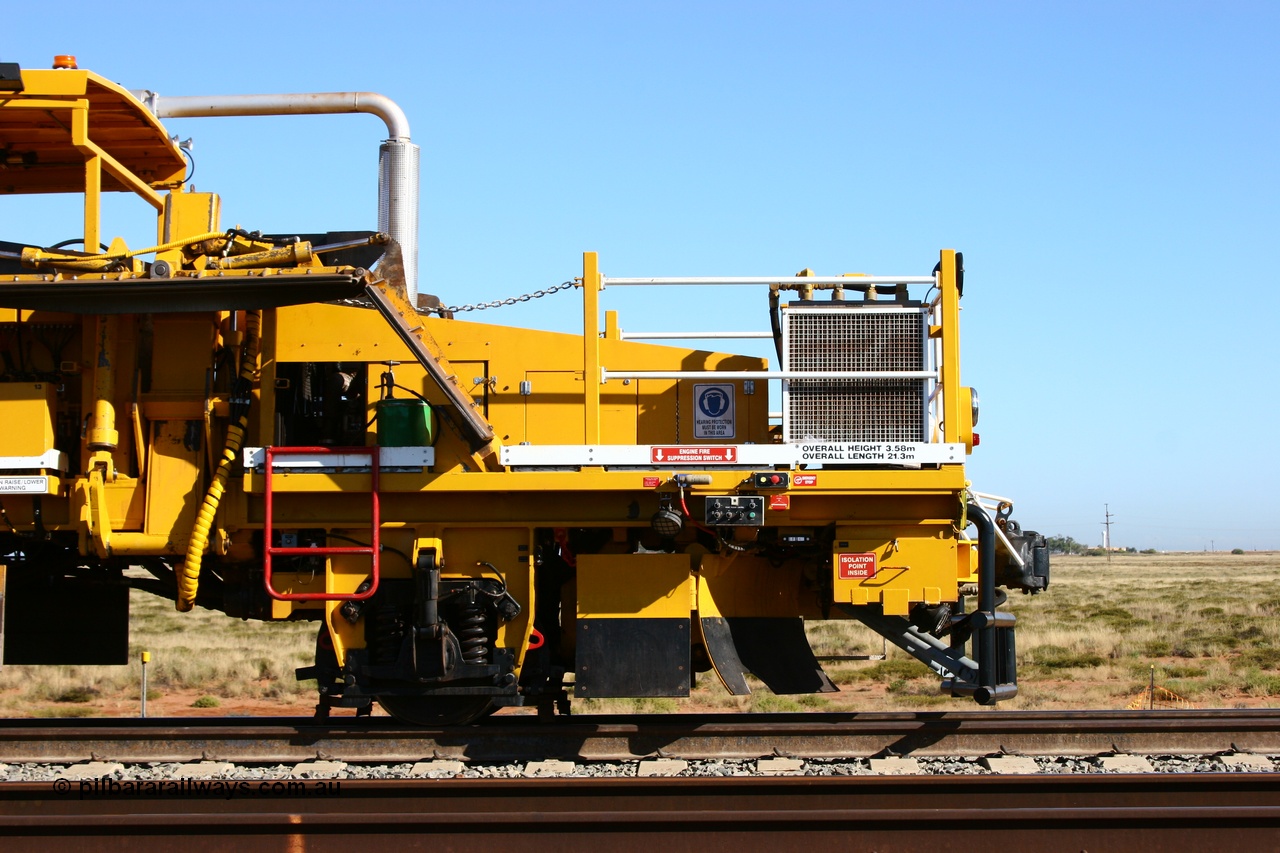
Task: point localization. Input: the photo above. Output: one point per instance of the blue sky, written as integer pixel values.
(1108, 169)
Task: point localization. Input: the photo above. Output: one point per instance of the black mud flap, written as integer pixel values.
(632, 658)
(773, 649)
(57, 620)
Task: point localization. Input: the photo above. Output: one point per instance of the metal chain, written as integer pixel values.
(677, 411)
(498, 303)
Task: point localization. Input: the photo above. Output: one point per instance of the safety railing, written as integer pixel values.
(270, 551)
(943, 317)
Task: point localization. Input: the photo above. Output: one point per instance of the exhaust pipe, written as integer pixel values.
(398, 157)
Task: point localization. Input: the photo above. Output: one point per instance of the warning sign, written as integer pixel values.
(805, 479)
(24, 485)
(856, 566)
(692, 455)
(713, 411)
(779, 501)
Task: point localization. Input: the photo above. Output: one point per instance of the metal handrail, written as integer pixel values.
(269, 551)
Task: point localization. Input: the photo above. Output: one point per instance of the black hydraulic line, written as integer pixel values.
(984, 621)
(986, 557)
(775, 321)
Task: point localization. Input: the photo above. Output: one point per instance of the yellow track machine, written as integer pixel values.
(278, 426)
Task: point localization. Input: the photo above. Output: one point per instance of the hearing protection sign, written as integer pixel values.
(713, 411)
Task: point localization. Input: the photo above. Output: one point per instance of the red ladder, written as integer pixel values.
(269, 550)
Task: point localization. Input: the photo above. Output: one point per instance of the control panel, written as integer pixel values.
(735, 510)
(771, 480)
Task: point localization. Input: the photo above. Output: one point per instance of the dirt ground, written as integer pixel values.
(861, 696)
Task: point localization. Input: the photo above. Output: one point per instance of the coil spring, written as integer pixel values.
(470, 619)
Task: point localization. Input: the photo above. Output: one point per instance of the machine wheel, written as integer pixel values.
(436, 710)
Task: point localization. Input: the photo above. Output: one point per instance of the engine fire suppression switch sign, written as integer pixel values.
(692, 455)
(713, 411)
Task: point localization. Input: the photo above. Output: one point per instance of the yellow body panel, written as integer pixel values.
(742, 585)
(28, 414)
(638, 412)
(175, 480)
(910, 566)
(631, 586)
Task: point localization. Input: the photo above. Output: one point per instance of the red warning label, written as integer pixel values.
(652, 482)
(852, 567)
(779, 501)
(805, 479)
(693, 455)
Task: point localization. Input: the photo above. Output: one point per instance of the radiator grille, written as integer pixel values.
(856, 337)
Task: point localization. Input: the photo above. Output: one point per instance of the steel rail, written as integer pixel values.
(521, 737)
(1096, 813)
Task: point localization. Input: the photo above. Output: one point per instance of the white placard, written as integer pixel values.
(713, 407)
(24, 485)
(870, 453)
(906, 454)
(388, 457)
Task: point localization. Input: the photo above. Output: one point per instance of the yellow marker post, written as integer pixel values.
(146, 658)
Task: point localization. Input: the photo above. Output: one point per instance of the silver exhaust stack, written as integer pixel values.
(398, 204)
(398, 157)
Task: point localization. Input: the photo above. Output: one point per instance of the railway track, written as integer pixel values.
(1163, 812)
(1089, 811)
(523, 738)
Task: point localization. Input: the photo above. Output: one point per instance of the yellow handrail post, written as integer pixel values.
(92, 178)
(591, 347)
(950, 346)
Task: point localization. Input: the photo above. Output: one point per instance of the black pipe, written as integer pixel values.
(428, 595)
(984, 620)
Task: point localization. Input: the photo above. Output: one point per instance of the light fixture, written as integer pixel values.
(666, 522)
(10, 77)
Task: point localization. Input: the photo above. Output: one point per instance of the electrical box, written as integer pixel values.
(735, 511)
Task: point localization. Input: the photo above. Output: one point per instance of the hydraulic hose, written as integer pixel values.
(775, 321)
(189, 574)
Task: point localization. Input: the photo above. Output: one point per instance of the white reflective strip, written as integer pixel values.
(606, 374)
(681, 336)
(388, 457)
(817, 453)
(54, 460)
(782, 279)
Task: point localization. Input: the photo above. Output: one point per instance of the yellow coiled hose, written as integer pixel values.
(189, 574)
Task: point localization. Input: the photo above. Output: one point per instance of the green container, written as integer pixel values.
(405, 423)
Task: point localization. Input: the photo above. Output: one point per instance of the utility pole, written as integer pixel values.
(1106, 536)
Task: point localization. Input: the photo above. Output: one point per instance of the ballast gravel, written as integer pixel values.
(670, 768)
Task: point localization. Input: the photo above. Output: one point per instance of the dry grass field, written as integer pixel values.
(1207, 623)
(202, 663)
